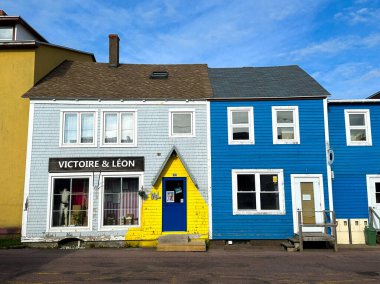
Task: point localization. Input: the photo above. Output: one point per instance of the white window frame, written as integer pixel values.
(250, 125)
(295, 125)
(79, 113)
(53, 176)
(101, 227)
(181, 111)
(367, 127)
(257, 173)
(118, 112)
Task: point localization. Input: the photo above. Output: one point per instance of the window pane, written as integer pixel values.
(246, 182)
(70, 202)
(239, 117)
(127, 128)
(130, 201)
(268, 183)
(182, 123)
(285, 132)
(240, 133)
(87, 128)
(357, 119)
(246, 200)
(377, 185)
(70, 132)
(6, 33)
(358, 135)
(270, 201)
(284, 116)
(110, 129)
(112, 200)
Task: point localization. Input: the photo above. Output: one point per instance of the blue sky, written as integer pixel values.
(336, 41)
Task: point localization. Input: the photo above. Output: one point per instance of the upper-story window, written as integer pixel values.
(78, 128)
(119, 128)
(358, 127)
(6, 33)
(181, 123)
(285, 125)
(240, 125)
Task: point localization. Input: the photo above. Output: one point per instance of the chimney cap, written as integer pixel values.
(2, 13)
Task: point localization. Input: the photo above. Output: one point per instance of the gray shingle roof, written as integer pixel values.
(89, 80)
(264, 82)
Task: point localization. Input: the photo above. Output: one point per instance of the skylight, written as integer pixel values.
(159, 75)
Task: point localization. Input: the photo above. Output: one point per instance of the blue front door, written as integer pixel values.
(174, 204)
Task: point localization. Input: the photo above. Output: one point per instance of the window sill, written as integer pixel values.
(117, 228)
(286, 142)
(118, 146)
(360, 144)
(248, 212)
(70, 229)
(78, 146)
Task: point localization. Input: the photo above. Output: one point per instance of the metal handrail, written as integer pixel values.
(329, 220)
(372, 214)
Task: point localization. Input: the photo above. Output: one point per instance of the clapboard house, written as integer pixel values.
(116, 151)
(268, 153)
(355, 140)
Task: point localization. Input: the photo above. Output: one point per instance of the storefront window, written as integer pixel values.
(121, 201)
(70, 202)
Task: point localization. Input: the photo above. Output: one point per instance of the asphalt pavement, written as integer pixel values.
(360, 265)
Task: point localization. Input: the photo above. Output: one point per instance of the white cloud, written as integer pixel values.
(334, 46)
(355, 15)
(350, 80)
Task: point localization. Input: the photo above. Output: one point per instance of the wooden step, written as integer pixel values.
(178, 242)
(289, 247)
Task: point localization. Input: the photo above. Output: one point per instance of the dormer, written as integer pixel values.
(14, 28)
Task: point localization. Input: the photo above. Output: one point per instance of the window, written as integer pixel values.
(240, 125)
(78, 129)
(6, 33)
(69, 202)
(258, 192)
(121, 201)
(285, 125)
(119, 129)
(182, 123)
(358, 127)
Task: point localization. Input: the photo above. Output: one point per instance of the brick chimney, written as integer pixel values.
(113, 50)
(2, 13)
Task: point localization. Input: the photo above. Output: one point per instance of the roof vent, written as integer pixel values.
(159, 75)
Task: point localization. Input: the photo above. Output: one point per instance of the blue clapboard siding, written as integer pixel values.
(308, 157)
(352, 163)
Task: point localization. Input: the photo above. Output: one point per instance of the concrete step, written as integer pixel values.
(170, 239)
(180, 243)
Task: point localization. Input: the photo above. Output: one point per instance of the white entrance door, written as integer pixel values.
(307, 196)
(373, 191)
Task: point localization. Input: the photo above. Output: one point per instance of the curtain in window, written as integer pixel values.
(87, 128)
(121, 201)
(127, 128)
(70, 132)
(110, 129)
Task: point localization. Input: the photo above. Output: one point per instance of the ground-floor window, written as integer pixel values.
(121, 201)
(258, 191)
(70, 201)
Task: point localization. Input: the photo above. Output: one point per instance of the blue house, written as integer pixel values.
(268, 152)
(355, 141)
